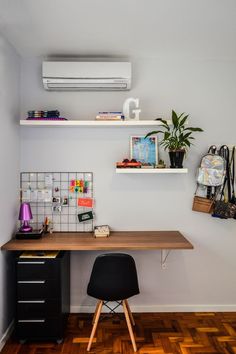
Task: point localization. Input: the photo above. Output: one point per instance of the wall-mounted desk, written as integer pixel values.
(118, 240)
(35, 283)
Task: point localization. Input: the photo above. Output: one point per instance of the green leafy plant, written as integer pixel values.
(176, 136)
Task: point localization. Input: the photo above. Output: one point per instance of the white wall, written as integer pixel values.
(206, 89)
(9, 173)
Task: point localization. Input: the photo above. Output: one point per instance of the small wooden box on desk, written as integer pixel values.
(43, 297)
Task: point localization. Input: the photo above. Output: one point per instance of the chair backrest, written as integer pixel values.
(113, 277)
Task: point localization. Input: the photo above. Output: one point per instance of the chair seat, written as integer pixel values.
(112, 294)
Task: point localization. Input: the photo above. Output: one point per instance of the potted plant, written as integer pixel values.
(176, 137)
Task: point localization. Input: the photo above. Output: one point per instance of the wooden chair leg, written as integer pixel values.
(130, 313)
(95, 325)
(95, 313)
(129, 325)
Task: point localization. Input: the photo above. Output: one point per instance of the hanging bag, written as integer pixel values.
(211, 175)
(226, 209)
(204, 205)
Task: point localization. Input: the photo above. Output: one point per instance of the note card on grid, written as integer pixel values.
(85, 202)
(26, 195)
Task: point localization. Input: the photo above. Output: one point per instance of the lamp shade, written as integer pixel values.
(25, 213)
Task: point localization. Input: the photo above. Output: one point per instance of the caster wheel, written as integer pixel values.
(59, 340)
(22, 341)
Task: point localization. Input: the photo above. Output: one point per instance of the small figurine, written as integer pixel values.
(161, 164)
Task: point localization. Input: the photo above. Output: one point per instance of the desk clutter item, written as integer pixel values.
(55, 196)
(113, 116)
(101, 231)
(39, 254)
(44, 115)
(25, 215)
(29, 235)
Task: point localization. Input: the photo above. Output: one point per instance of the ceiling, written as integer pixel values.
(142, 28)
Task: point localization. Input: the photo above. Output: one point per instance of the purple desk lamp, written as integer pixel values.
(25, 215)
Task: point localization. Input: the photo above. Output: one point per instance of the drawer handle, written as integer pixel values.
(31, 301)
(31, 262)
(31, 281)
(30, 321)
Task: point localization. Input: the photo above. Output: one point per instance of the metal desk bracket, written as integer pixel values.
(164, 256)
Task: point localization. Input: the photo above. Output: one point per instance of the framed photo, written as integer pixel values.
(144, 150)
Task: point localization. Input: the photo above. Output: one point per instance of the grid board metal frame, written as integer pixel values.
(67, 219)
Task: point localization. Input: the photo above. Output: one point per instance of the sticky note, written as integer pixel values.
(72, 183)
(85, 202)
(72, 189)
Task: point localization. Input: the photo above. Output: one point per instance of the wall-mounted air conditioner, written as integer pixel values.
(86, 76)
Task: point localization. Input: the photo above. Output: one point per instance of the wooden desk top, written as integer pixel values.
(118, 240)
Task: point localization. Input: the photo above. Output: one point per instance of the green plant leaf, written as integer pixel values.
(186, 135)
(166, 135)
(165, 123)
(187, 143)
(153, 132)
(192, 129)
(174, 119)
(183, 120)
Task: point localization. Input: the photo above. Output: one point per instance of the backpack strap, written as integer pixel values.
(224, 152)
(212, 150)
(232, 175)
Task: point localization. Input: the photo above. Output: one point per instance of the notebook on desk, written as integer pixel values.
(39, 254)
(29, 235)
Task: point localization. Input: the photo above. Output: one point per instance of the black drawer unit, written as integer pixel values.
(43, 297)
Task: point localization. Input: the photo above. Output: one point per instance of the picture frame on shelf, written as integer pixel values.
(144, 149)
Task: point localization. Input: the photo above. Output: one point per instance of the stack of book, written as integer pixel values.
(44, 115)
(101, 231)
(110, 116)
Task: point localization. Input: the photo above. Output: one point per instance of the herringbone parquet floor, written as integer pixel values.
(156, 333)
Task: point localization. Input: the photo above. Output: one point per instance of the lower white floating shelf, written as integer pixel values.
(151, 170)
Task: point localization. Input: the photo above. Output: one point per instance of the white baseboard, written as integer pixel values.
(163, 308)
(6, 335)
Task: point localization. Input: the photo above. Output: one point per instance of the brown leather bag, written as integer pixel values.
(204, 205)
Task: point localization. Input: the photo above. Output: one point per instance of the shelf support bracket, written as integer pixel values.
(164, 255)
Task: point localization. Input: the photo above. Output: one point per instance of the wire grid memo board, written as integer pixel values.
(51, 195)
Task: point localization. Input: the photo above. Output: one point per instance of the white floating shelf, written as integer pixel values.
(152, 170)
(89, 123)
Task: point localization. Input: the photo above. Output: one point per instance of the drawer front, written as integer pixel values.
(37, 269)
(38, 289)
(39, 328)
(28, 309)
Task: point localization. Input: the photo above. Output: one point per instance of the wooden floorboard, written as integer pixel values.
(155, 333)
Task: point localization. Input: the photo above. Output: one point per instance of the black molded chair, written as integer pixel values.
(113, 278)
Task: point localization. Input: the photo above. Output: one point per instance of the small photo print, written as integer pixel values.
(56, 200)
